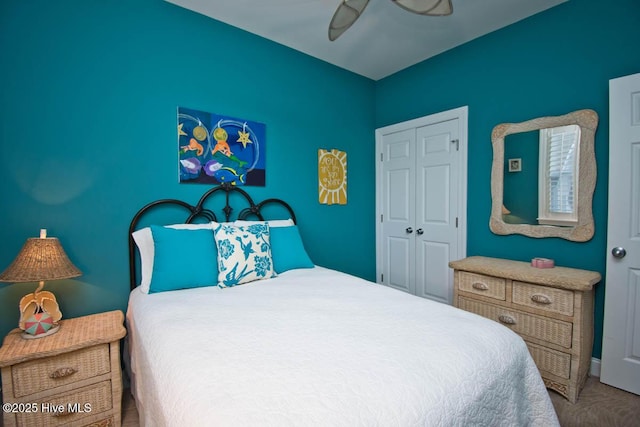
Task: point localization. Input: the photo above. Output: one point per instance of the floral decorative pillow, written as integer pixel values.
(244, 254)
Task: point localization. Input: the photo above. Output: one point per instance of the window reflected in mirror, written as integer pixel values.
(559, 169)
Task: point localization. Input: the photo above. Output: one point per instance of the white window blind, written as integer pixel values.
(559, 148)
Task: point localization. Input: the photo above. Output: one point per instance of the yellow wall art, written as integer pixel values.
(332, 177)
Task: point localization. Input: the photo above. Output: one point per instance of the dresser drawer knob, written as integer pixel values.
(540, 299)
(507, 320)
(61, 373)
(480, 286)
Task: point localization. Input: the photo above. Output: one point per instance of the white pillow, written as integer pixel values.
(272, 222)
(144, 241)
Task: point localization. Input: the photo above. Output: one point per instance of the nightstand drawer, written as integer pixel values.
(554, 362)
(489, 286)
(543, 298)
(549, 330)
(76, 404)
(44, 374)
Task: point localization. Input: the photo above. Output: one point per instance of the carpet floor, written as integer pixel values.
(598, 405)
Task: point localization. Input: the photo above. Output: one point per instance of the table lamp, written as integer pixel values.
(40, 259)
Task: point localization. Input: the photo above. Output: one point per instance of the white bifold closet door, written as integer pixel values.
(421, 194)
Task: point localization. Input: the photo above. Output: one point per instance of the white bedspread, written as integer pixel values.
(315, 347)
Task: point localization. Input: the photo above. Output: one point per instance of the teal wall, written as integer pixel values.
(88, 133)
(520, 191)
(549, 64)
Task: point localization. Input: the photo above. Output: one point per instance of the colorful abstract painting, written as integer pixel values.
(216, 149)
(332, 177)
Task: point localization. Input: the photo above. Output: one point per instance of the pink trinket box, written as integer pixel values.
(542, 263)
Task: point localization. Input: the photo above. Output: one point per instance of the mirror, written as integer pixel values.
(520, 189)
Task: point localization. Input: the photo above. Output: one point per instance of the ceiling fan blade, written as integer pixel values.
(426, 7)
(346, 14)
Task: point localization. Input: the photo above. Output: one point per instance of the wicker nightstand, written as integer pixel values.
(72, 378)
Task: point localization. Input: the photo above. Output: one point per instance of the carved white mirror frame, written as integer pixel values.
(583, 231)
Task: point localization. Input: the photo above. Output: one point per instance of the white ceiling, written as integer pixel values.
(384, 40)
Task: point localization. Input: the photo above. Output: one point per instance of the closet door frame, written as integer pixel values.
(461, 114)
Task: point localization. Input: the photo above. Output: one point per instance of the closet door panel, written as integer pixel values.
(432, 281)
(398, 238)
(437, 164)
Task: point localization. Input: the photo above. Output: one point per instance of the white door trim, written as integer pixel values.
(460, 113)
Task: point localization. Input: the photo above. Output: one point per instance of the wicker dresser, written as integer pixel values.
(551, 309)
(71, 378)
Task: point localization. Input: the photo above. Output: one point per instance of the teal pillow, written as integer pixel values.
(287, 250)
(183, 259)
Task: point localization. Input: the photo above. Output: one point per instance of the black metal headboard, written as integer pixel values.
(198, 211)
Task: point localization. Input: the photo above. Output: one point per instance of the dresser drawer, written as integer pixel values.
(76, 405)
(489, 286)
(44, 374)
(549, 330)
(543, 298)
(553, 362)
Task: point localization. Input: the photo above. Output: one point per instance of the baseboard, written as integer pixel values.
(595, 367)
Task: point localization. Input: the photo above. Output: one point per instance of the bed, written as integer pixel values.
(312, 346)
